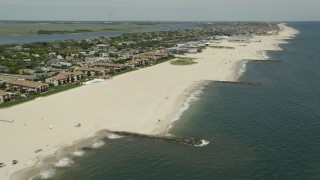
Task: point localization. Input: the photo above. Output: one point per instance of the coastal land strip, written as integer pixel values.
(29, 29)
(143, 101)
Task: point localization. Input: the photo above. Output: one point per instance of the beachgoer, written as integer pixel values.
(14, 162)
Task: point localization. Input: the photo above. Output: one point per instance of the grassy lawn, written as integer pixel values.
(32, 97)
(181, 61)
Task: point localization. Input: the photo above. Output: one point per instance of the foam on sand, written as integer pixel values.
(113, 136)
(64, 162)
(98, 144)
(79, 153)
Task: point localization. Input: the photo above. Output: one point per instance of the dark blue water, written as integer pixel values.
(267, 132)
(90, 35)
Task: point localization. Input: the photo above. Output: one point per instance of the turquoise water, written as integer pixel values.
(267, 132)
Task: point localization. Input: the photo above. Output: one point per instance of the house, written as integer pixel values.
(57, 80)
(59, 57)
(4, 69)
(6, 96)
(177, 51)
(69, 58)
(27, 63)
(92, 71)
(92, 52)
(102, 46)
(65, 64)
(52, 54)
(146, 58)
(18, 48)
(111, 67)
(74, 76)
(25, 71)
(104, 54)
(27, 86)
(41, 69)
(65, 78)
(137, 62)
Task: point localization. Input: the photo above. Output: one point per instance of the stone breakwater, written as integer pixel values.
(241, 83)
(188, 141)
(277, 61)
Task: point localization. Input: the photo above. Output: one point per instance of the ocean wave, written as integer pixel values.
(264, 55)
(203, 143)
(193, 97)
(242, 69)
(169, 135)
(79, 153)
(64, 162)
(114, 136)
(98, 144)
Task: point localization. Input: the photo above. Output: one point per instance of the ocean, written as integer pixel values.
(255, 132)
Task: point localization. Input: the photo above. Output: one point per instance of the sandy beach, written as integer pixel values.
(143, 101)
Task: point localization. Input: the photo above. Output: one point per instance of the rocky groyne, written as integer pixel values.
(267, 61)
(188, 141)
(241, 83)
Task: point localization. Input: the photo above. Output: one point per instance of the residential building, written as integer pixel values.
(25, 71)
(27, 86)
(65, 78)
(27, 63)
(111, 67)
(6, 96)
(92, 71)
(4, 69)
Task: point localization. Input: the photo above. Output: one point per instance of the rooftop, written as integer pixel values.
(25, 83)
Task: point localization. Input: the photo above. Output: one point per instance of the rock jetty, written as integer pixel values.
(242, 83)
(278, 61)
(188, 141)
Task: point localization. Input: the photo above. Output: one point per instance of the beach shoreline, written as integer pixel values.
(171, 91)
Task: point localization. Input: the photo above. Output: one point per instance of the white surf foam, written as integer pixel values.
(64, 162)
(243, 69)
(79, 153)
(45, 174)
(193, 97)
(114, 136)
(203, 143)
(98, 144)
(264, 55)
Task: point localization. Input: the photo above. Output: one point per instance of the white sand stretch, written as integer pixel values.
(133, 101)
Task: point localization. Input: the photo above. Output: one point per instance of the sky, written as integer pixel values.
(161, 10)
